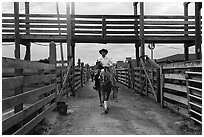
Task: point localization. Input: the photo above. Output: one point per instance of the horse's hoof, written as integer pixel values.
(106, 111)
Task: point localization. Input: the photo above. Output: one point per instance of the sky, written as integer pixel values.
(88, 52)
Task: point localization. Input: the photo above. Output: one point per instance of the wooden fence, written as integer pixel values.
(123, 76)
(30, 90)
(177, 86)
(144, 80)
(182, 88)
(27, 99)
(89, 28)
(98, 24)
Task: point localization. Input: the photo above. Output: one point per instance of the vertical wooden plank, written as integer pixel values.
(158, 86)
(17, 32)
(27, 12)
(73, 69)
(146, 86)
(52, 58)
(136, 35)
(59, 28)
(103, 26)
(82, 74)
(137, 54)
(142, 40)
(188, 92)
(88, 72)
(198, 37)
(18, 90)
(186, 52)
(40, 72)
(79, 65)
(18, 72)
(186, 48)
(136, 20)
(72, 21)
(141, 86)
(72, 34)
(131, 74)
(161, 88)
(69, 32)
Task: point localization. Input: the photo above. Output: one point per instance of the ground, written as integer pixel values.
(132, 114)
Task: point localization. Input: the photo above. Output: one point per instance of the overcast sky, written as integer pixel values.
(89, 52)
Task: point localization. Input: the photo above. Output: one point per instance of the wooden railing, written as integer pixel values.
(177, 86)
(182, 88)
(63, 85)
(194, 94)
(100, 25)
(150, 78)
(144, 80)
(81, 76)
(30, 90)
(123, 76)
(27, 99)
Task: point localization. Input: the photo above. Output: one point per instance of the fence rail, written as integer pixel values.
(177, 86)
(100, 25)
(183, 88)
(31, 97)
(28, 96)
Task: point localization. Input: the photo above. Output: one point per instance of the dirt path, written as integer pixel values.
(133, 114)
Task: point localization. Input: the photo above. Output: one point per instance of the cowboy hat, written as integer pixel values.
(103, 50)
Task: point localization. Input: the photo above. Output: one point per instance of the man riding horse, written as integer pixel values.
(104, 67)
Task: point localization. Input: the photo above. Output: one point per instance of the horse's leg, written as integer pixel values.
(109, 89)
(99, 93)
(103, 90)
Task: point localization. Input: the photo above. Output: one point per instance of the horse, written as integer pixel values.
(104, 86)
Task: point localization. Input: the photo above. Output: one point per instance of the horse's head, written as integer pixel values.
(104, 77)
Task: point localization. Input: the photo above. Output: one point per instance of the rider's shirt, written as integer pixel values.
(106, 62)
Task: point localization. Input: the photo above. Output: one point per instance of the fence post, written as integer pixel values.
(161, 88)
(158, 86)
(198, 37)
(129, 75)
(73, 69)
(142, 40)
(18, 72)
(82, 74)
(88, 72)
(141, 86)
(52, 59)
(79, 65)
(41, 72)
(27, 55)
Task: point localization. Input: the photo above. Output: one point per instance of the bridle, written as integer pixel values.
(104, 77)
